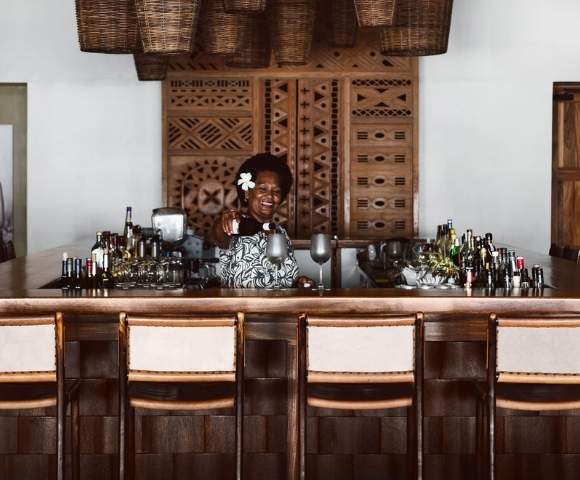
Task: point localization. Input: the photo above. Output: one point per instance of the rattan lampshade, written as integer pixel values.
(151, 67)
(343, 24)
(375, 13)
(167, 26)
(421, 28)
(220, 32)
(244, 6)
(291, 23)
(255, 51)
(106, 26)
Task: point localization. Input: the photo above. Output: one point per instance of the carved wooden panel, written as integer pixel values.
(346, 122)
(279, 99)
(382, 166)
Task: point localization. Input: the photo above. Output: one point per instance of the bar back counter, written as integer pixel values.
(341, 444)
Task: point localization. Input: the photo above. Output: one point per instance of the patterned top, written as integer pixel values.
(244, 264)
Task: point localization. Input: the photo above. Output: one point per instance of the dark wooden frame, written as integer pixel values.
(415, 422)
(127, 412)
(65, 394)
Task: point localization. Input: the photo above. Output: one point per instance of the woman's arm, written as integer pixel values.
(222, 229)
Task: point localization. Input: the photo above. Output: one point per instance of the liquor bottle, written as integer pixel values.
(90, 280)
(105, 277)
(64, 283)
(77, 274)
(250, 226)
(128, 227)
(98, 250)
(70, 266)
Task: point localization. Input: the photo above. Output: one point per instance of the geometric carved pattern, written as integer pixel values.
(279, 126)
(381, 166)
(387, 98)
(188, 133)
(214, 94)
(347, 110)
(365, 57)
(203, 186)
(317, 157)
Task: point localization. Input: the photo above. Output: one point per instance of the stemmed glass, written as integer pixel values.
(320, 252)
(276, 252)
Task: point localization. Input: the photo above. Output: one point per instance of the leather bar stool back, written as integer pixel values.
(32, 375)
(533, 365)
(179, 363)
(361, 363)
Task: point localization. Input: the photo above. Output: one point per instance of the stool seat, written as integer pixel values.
(181, 396)
(357, 396)
(537, 397)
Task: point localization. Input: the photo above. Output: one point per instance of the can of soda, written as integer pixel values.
(520, 264)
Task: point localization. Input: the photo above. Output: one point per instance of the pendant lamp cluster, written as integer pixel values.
(246, 32)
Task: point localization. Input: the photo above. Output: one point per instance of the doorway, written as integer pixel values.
(13, 159)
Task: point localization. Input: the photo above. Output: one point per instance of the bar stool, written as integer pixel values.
(360, 363)
(548, 379)
(179, 363)
(32, 376)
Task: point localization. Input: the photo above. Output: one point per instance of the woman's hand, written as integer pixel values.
(223, 228)
(227, 221)
(304, 282)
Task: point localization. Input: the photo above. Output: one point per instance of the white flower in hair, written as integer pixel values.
(245, 181)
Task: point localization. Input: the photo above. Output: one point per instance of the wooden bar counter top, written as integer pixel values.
(342, 445)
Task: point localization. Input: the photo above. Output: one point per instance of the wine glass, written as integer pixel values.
(320, 252)
(276, 252)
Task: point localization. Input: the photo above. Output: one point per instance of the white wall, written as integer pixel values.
(486, 117)
(94, 131)
(485, 130)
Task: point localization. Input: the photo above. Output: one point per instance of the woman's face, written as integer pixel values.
(265, 198)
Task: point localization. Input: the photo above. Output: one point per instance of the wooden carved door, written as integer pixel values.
(346, 122)
(566, 165)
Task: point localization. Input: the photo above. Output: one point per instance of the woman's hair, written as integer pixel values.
(266, 162)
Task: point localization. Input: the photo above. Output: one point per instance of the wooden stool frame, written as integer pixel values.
(490, 401)
(127, 412)
(64, 394)
(415, 410)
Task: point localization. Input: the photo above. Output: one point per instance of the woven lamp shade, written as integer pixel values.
(151, 66)
(107, 26)
(422, 28)
(343, 24)
(220, 32)
(375, 13)
(255, 51)
(245, 6)
(291, 30)
(167, 26)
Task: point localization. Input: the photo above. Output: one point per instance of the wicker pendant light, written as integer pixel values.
(220, 32)
(151, 67)
(167, 26)
(107, 26)
(421, 28)
(291, 24)
(255, 51)
(245, 6)
(375, 13)
(343, 24)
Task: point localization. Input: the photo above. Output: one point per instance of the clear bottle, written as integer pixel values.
(105, 277)
(98, 251)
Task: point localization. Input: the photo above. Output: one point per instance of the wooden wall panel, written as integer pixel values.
(326, 116)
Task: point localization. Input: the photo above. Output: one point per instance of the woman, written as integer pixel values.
(263, 182)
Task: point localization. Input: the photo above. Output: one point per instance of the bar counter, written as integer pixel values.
(341, 445)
